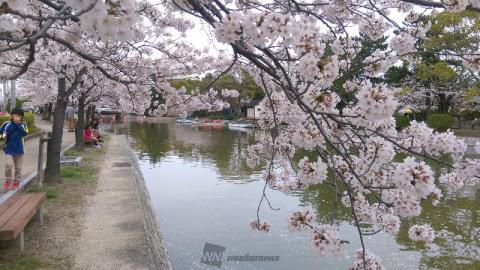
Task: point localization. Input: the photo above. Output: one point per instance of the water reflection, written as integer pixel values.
(193, 175)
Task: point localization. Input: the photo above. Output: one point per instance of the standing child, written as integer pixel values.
(13, 132)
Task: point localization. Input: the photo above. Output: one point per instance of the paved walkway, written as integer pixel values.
(471, 141)
(113, 235)
(31, 151)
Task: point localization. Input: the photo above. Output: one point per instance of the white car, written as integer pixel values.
(106, 110)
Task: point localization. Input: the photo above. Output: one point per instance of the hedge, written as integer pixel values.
(469, 115)
(28, 118)
(440, 121)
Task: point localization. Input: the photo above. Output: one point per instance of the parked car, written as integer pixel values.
(28, 107)
(106, 110)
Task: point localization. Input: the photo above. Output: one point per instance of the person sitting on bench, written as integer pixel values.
(89, 136)
(96, 132)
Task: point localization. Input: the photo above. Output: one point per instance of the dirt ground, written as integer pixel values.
(51, 245)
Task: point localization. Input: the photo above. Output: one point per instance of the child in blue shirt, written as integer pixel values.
(13, 132)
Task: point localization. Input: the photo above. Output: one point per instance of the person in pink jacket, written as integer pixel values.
(89, 136)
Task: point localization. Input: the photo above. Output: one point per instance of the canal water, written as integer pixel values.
(203, 192)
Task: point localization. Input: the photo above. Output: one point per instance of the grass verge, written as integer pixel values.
(51, 245)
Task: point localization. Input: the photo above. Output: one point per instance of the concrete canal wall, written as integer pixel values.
(157, 247)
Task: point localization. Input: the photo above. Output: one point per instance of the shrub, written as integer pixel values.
(230, 116)
(28, 118)
(440, 121)
(402, 121)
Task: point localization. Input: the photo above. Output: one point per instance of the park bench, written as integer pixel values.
(16, 212)
(88, 141)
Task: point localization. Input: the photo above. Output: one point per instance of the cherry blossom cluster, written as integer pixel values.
(366, 261)
(180, 103)
(325, 240)
(312, 172)
(376, 103)
(423, 139)
(452, 180)
(379, 215)
(423, 233)
(109, 19)
(302, 220)
(260, 226)
(230, 93)
(15, 4)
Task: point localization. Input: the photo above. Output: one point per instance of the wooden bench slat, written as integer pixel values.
(4, 206)
(18, 222)
(14, 208)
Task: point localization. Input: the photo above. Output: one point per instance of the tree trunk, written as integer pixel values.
(89, 113)
(49, 111)
(444, 103)
(45, 111)
(79, 144)
(52, 170)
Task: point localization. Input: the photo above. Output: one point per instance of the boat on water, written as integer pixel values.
(243, 125)
(208, 123)
(183, 121)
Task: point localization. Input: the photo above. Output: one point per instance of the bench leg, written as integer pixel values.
(39, 215)
(19, 241)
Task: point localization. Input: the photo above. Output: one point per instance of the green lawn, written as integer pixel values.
(23, 263)
(467, 132)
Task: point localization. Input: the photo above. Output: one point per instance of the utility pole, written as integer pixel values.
(13, 100)
(5, 96)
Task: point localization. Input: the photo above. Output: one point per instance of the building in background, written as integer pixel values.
(253, 109)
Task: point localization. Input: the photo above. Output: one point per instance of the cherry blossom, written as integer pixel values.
(452, 180)
(375, 103)
(403, 44)
(260, 226)
(16, 4)
(312, 172)
(301, 220)
(325, 240)
(423, 233)
(230, 93)
(299, 52)
(366, 261)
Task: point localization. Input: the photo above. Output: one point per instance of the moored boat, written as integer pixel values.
(242, 124)
(208, 123)
(183, 121)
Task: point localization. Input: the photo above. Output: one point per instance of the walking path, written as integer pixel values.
(470, 141)
(114, 234)
(30, 158)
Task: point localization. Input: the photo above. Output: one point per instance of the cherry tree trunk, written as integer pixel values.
(89, 113)
(444, 103)
(52, 171)
(79, 144)
(49, 111)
